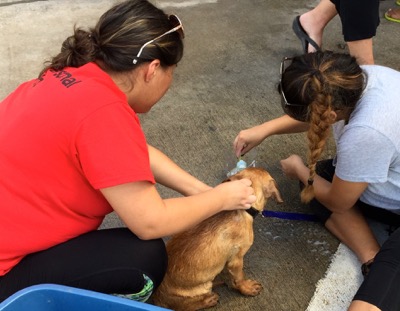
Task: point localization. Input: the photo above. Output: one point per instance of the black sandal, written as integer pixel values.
(303, 36)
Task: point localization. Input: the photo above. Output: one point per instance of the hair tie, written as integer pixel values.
(310, 181)
(318, 74)
(315, 71)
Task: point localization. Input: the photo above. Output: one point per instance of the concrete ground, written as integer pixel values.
(226, 82)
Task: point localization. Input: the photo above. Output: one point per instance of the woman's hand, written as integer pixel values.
(294, 168)
(237, 194)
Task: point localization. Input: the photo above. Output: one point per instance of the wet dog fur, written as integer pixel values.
(197, 256)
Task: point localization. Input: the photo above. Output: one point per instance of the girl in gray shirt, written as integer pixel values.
(322, 91)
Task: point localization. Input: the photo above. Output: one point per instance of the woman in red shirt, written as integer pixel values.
(72, 151)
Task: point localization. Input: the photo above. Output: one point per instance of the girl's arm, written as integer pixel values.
(338, 196)
(252, 137)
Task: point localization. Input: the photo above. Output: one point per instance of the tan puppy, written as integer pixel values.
(198, 255)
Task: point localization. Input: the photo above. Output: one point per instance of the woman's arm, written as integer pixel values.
(252, 137)
(167, 173)
(149, 216)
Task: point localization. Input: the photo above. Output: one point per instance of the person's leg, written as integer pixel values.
(362, 50)
(315, 20)
(358, 305)
(380, 290)
(350, 227)
(360, 19)
(112, 261)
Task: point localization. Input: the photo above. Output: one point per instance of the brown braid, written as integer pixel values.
(317, 135)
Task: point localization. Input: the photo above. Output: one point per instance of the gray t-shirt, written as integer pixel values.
(368, 147)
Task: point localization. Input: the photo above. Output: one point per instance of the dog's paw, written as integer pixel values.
(249, 287)
(210, 300)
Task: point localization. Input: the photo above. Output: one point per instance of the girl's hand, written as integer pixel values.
(293, 167)
(247, 140)
(252, 137)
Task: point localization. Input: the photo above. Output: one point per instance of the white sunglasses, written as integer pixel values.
(177, 27)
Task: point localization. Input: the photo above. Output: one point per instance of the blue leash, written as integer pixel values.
(290, 216)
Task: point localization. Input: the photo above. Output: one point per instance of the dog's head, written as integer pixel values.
(263, 184)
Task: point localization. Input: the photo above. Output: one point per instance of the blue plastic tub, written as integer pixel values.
(50, 297)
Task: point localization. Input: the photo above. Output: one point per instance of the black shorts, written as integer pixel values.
(360, 18)
(109, 261)
(381, 286)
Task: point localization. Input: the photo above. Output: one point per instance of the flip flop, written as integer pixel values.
(398, 2)
(392, 19)
(303, 36)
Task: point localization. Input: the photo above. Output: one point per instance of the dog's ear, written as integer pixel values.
(271, 190)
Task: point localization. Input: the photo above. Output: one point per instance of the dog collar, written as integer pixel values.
(253, 211)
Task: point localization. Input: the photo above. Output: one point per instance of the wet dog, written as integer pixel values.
(197, 256)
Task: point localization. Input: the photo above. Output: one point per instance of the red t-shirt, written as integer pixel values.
(62, 138)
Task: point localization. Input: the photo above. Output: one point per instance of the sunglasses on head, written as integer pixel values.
(295, 111)
(177, 26)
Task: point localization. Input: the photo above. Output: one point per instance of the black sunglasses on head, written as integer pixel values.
(295, 111)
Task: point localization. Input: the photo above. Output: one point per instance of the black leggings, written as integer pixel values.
(380, 287)
(107, 261)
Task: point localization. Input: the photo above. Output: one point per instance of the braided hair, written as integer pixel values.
(322, 82)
